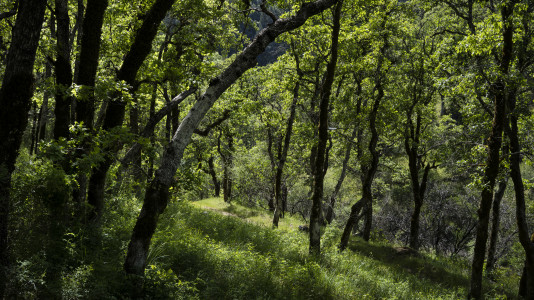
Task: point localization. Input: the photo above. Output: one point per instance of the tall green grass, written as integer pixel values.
(232, 256)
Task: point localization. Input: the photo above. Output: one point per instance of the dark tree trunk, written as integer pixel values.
(526, 289)
(411, 146)
(365, 203)
(271, 202)
(63, 71)
(157, 194)
(496, 209)
(89, 54)
(227, 159)
(282, 155)
(15, 100)
(116, 107)
(317, 197)
(213, 174)
(90, 34)
(43, 111)
(34, 134)
(498, 90)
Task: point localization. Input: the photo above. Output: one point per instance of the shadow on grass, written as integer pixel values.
(414, 264)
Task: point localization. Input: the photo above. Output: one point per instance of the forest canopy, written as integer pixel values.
(331, 135)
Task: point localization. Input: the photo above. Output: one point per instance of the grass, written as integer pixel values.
(255, 215)
(227, 251)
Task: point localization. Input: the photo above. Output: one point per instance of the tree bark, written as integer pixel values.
(116, 107)
(213, 174)
(157, 194)
(411, 146)
(317, 197)
(369, 171)
(89, 54)
(15, 99)
(496, 209)
(527, 287)
(63, 71)
(279, 207)
(498, 90)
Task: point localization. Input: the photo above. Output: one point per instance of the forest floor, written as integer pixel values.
(228, 251)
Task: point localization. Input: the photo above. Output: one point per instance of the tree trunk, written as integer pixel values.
(34, 131)
(279, 207)
(317, 197)
(116, 107)
(330, 209)
(63, 71)
(270, 142)
(213, 174)
(366, 201)
(527, 288)
(15, 100)
(157, 194)
(498, 90)
(492, 249)
(91, 32)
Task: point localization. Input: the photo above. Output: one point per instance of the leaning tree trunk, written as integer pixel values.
(157, 193)
(498, 89)
(116, 107)
(15, 100)
(317, 197)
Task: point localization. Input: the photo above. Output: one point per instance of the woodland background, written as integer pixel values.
(336, 149)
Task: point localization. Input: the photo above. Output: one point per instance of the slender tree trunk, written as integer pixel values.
(43, 112)
(271, 202)
(330, 209)
(15, 101)
(213, 174)
(367, 181)
(496, 209)
(34, 133)
(527, 287)
(317, 197)
(279, 207)
(498, 90)
(157, 194)
(227, 162)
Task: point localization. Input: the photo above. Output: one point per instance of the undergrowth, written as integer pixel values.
(231, 258)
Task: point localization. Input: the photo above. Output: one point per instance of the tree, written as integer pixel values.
(318, 182)
(157, 193)
(15, 100)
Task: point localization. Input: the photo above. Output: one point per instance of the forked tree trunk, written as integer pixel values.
(317, 197)
(498, 91)
(15, 100)
(86, 77)
(157, 194)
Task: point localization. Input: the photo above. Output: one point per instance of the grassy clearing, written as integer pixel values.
(220, 251)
